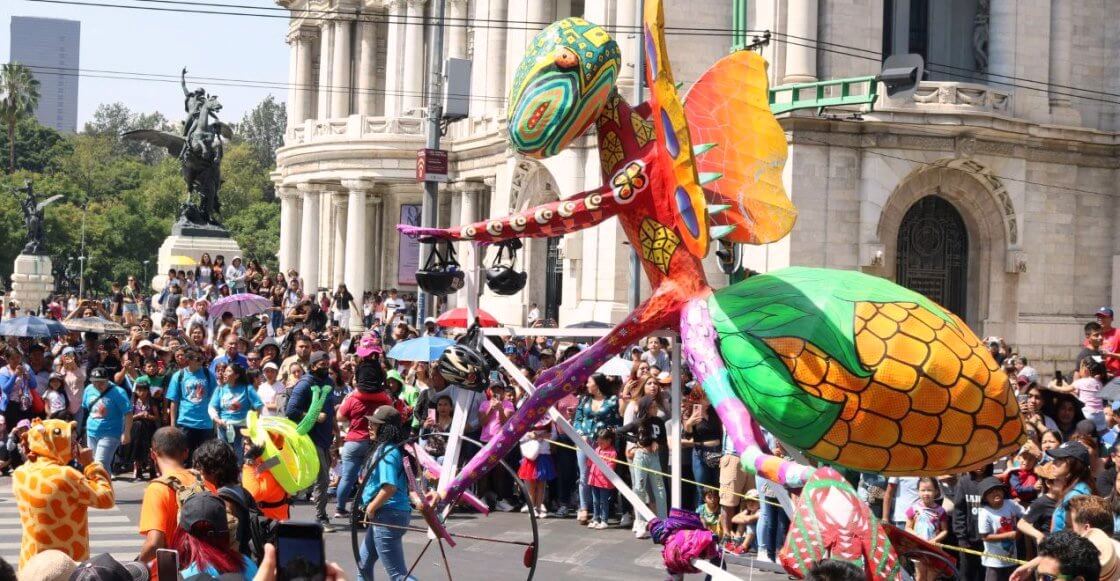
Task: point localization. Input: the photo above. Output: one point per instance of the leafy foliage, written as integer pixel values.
(263, 129)
(124, 197)
(19, 95)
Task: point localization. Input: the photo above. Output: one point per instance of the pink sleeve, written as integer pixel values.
(910, 513)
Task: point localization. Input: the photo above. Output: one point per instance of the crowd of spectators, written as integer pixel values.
(180, 384)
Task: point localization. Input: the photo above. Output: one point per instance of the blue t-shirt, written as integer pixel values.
(105, 419)
(1059, 520)
(249, 572)
(234, 402)
(389, 470)
(224, 360)
(192, 391)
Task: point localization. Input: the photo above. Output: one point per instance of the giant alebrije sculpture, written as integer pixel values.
(849, 368)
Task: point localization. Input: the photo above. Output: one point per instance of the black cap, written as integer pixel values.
(385, 414)
(204, 515)
(318, 356)
(105, 568)
(99, 374)
(1071, 449)
(990, 483)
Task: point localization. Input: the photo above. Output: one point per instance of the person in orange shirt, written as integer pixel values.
(159, 512)
(262, 485)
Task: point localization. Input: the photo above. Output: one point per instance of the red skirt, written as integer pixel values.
(541, 468)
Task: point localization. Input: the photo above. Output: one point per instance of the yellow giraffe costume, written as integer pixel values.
(53, 497)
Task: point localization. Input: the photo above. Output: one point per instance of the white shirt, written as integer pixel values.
(534, 314)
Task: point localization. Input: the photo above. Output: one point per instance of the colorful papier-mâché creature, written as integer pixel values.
(848, 368)
(53, 497)
(289, 454)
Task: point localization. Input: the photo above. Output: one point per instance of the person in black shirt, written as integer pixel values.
(1092, 345)
(705, 429)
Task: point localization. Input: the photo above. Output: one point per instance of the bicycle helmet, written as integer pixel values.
(441, 274)
(465, 366)
(501, 277)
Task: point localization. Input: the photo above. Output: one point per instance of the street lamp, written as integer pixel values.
(146, 262)
(81, 277)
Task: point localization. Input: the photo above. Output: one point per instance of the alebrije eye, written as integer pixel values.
(566, 59)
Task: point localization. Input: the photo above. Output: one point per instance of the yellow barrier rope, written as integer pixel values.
(761, 500)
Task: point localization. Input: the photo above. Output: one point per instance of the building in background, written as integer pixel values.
(992, 189)
(52, 48)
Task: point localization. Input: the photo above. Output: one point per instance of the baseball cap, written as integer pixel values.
(369, 345)
(385, 414)
(204, 515)
(105, 568)
(1071, 449)
(69, 351)
(395, 376)
(317, 357)
(430, 320)
(270, 365)
(1105, 312)
(99, 374)
(664, 377)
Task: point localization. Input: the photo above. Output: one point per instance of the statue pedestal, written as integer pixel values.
(178, 245)
(32, 281)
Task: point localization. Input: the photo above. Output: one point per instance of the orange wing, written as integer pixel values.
(729, 108)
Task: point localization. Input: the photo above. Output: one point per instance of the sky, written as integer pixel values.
(116, 39)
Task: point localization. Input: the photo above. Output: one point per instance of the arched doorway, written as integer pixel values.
(932, 256)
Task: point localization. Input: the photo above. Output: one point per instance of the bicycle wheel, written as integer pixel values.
(517, 545)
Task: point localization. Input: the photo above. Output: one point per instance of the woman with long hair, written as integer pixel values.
(1073, 474)
(132, 298)
(230, 405)
(204, 541)
(342, 301)
(205, 270)
(705, 429)
(386, 499)
(597, 409)
(438, 422)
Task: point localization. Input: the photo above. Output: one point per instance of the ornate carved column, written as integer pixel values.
(1061, 63)
(469, 192)
(375, 260)
(309, 236)
(626, 18)
(367, 66)
(289, 226)
(394, 55)
(801, 61)
(495, 54)
(413, 90)
(457, 29)
(356, 244)
(304, 81)
(326, 44)
(338, 248)
(340, 69)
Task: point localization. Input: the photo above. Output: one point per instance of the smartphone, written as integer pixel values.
(167, 564)
(432, 414)
(300, 553)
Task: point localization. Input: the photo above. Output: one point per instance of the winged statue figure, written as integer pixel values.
(33, 218)
(199, 149)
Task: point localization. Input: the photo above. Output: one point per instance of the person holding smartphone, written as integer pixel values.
(386, 498)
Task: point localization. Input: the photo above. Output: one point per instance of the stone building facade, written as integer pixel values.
(991, 188)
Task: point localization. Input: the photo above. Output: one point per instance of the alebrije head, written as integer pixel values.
(561, 86)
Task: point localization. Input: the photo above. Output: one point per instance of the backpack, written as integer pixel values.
(184, 491)
(254, 529)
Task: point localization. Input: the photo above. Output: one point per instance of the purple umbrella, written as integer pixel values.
(241, 305)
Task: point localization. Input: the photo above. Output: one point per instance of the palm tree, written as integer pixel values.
(19, 95)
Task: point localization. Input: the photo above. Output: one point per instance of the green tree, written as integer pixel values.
(256, 229)
(19, 95)
(263, 129)
(35, 145)
(111, 120)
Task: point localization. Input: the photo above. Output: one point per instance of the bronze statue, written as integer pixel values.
(199, 149)
(33, 218)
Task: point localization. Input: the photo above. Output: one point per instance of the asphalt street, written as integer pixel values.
(567, 550)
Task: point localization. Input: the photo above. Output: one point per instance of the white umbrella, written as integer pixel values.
(616, 367)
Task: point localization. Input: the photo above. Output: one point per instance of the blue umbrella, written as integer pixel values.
(422, 349)
(33, 327)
